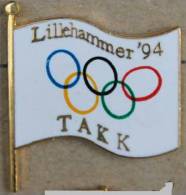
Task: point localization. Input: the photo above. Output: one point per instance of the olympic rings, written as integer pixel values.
(94, 88)
(50, 75)
(132, 106)
(114, 72)
(156, 90)
(71, 106)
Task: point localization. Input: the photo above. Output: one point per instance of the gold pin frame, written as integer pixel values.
(12, 9)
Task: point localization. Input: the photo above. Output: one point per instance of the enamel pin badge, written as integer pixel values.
(68, 77)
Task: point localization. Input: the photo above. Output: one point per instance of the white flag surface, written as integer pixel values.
(73, 79)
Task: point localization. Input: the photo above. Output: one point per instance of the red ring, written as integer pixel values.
(147, 96)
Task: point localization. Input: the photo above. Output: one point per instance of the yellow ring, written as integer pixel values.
(67, 99)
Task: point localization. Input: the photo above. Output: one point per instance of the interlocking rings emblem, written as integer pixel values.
(127, 90)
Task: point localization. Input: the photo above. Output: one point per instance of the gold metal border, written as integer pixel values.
(99, 27)
(98, 146)
(12, 9)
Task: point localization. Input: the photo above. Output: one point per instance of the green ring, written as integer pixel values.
(112, 114)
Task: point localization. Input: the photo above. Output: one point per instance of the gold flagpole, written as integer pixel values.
(12, 9)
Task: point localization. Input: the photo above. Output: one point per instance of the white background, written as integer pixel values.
(153, 127)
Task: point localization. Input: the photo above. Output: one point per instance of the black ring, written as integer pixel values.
(87, 82)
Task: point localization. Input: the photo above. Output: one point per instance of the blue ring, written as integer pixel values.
(52, 78)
